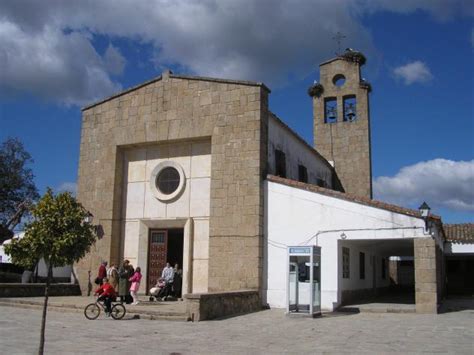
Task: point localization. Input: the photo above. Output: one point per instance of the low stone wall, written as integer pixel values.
(37, 290)
(204, 306)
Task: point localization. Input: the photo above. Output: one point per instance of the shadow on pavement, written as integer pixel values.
(457, 304)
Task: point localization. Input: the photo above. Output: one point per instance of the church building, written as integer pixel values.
(198, 171)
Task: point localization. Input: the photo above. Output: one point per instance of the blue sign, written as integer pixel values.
(300, 250)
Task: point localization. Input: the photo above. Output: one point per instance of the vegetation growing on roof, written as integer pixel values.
(315, 90)
(354, 56)
(366, 85)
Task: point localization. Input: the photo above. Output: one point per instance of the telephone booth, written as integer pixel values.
(304, 280)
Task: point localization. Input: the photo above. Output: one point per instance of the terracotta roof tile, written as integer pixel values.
(463, 232)
(349, 197)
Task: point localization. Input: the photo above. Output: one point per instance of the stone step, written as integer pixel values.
(61, 307)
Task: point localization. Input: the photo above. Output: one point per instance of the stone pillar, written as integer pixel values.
(426, 275)
(393, 268)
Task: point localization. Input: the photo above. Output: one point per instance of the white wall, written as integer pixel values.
(4, 258)
(354, 282)
(293, 216)
(459, 248)
(139, 201)
(296, 153)
(63, 272)
(142, 208)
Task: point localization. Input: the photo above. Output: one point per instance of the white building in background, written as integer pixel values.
(58, 272)
(357, 237)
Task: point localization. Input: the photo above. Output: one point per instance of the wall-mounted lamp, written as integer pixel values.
(425, 213)
(424, 210)
(89, 218)
(343, 235)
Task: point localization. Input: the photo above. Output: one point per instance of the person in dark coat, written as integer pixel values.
(102, 273)
(125, 272)
(178, 281)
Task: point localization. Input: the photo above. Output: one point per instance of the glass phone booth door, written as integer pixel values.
(304, 280)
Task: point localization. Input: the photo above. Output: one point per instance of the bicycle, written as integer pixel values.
(92, 310)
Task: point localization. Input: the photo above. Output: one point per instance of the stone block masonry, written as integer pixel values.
(214, 305)
(176, 108)
(346, 143)
(427, 266)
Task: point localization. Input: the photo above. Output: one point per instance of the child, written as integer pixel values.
(135, 280)
(107, 294)
(154, 291)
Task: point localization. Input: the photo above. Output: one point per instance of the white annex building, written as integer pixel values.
(357, 237)
(198, 171)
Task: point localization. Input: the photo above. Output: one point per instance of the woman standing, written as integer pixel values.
(178, 281)
(113, 276)
(135, 280)
(124, 274)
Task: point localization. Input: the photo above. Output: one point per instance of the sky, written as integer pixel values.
(57, 56)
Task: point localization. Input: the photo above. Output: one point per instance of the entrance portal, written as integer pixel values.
(164, 245)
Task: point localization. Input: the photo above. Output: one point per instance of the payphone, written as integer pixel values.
(304, 280)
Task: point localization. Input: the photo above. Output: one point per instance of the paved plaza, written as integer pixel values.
(265, 332)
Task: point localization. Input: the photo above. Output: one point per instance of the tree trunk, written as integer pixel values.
(74, 276)
(45, 307)
(35, 278)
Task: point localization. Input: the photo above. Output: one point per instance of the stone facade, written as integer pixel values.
(345, 143)
(233, 115)
(189, 210)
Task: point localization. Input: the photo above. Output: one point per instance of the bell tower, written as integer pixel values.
(341, 121)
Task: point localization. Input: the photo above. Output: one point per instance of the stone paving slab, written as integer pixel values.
(265, 332)
(170, 310)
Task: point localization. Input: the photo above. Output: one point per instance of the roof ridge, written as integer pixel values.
(176, 76)
(459, 224)
(220, 80)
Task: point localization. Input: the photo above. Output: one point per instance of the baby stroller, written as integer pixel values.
(165, 291)
(155, 291)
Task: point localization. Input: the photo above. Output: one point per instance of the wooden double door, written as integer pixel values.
(164, 245)
(157, 255)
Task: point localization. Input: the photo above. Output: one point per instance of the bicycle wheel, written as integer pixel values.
(92, 311)
(118, 311)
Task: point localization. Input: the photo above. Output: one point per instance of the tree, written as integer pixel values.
(58, 233)
(17, 189)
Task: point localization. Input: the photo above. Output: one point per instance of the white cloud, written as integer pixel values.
(114, 60)
(264, 40)
(415, 72)
(439, 182)
(442, 10)
(68, 186)
(52, 64)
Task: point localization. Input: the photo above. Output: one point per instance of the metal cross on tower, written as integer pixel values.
(338, 38)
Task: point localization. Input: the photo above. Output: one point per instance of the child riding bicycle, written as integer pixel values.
(107, 294)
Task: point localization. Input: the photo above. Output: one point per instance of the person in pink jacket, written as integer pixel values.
(135, 280)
